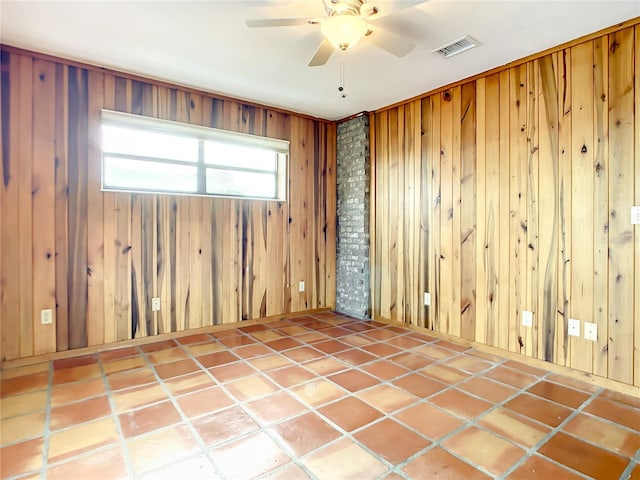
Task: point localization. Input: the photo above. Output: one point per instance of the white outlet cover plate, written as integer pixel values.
(635, 215)
(574, 327)
(155, 304)
(301, 286)
(427, 299)
(591, 331)
(527, 318)
(46, 316)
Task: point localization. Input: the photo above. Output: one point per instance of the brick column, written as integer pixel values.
(352, 261)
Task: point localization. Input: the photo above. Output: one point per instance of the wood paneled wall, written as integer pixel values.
(512, 192)
(98, 258)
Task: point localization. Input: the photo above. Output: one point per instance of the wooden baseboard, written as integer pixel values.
(21, 362)
(534, 362)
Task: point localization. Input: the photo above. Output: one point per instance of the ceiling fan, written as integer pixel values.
(346, 23)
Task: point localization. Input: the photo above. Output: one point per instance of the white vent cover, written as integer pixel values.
(460, 45)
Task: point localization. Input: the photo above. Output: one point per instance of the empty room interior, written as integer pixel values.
(320, 239)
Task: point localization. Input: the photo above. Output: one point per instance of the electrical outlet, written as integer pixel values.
(635, 215)
(46, 316)
(591, 331)
(301, 286)
(155, 304)
(427, 299)
(574, 327)
(527, 318)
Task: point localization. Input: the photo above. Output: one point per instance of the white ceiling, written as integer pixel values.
(207, 45)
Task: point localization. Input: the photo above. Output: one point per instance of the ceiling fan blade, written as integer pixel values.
(279, 22)
(391, 43)
(322, 54)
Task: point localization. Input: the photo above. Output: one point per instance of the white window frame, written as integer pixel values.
(201, 134)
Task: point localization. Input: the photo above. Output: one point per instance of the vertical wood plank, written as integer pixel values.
(11, 95)
(446, 212)
(43, 189)
(621, 195)
(481, 242)
(600, 202)
(468, 236)
(636, 313)
(95, 219)
(582, 161)
(504, 320)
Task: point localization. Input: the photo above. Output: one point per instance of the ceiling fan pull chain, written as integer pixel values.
(341, 88)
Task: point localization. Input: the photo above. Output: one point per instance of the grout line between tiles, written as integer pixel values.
(47, 425)
(116, 419)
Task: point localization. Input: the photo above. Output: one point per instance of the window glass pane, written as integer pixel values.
(245, 184)
(237, 156)
(142, 175)
(133, 141)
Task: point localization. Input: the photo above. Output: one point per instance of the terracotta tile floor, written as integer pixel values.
(321, 397)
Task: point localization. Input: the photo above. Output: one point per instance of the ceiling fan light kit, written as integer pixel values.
(344, 31)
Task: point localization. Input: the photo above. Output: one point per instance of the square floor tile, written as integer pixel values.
(252, 351)
(165, 356)
(460, 403)
(484, 449)
(429, 420)
(380, 334)
(326, 366)
(511, 377)
(249, 457)
(196, 468)
(350, 413)
(539, 468)
(405, 342)
(468, 364)
(176, 369)
(344, 459)
(318, 392)
(73, 392)
(134, 378)
(21, 457)
(224, 426)
(80, 412)
(392, 441)
(275, 408)
(118, 353)
(290, 376)
(412, 361)
(303, 354)
(386, 398)
(22, 427)
(189, 383)
(217, 358)
(419, 385)
(355, 357)
(237, 341)
(145, 420)
(621, 398)
(105, 464)
(204, 401)
(158, 346)
(445, 374)
(76, 374)
(381, 349)
(82, 438)
(488, 389)
(252, 387)
(616, 412)
(385, 370)
(270, 362)
(353, 380)
(124, 364)
(606, 435)
(290, 471)
(21, 404)
(138, 397)
(331, 346)
(267, 335)
(515, 427)
(583, 457)
(194, 339)
(523, 367)
(232, 371)
(72, 362)
(283, 344)
(357, 340)
(161, 447)
(205, 348)
(305, 433)
(539, 409)
(437, 463)
(558, 393)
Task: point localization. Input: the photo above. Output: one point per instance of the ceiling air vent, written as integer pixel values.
(457, 46)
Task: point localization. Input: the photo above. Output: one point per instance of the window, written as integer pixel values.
(143, 154)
